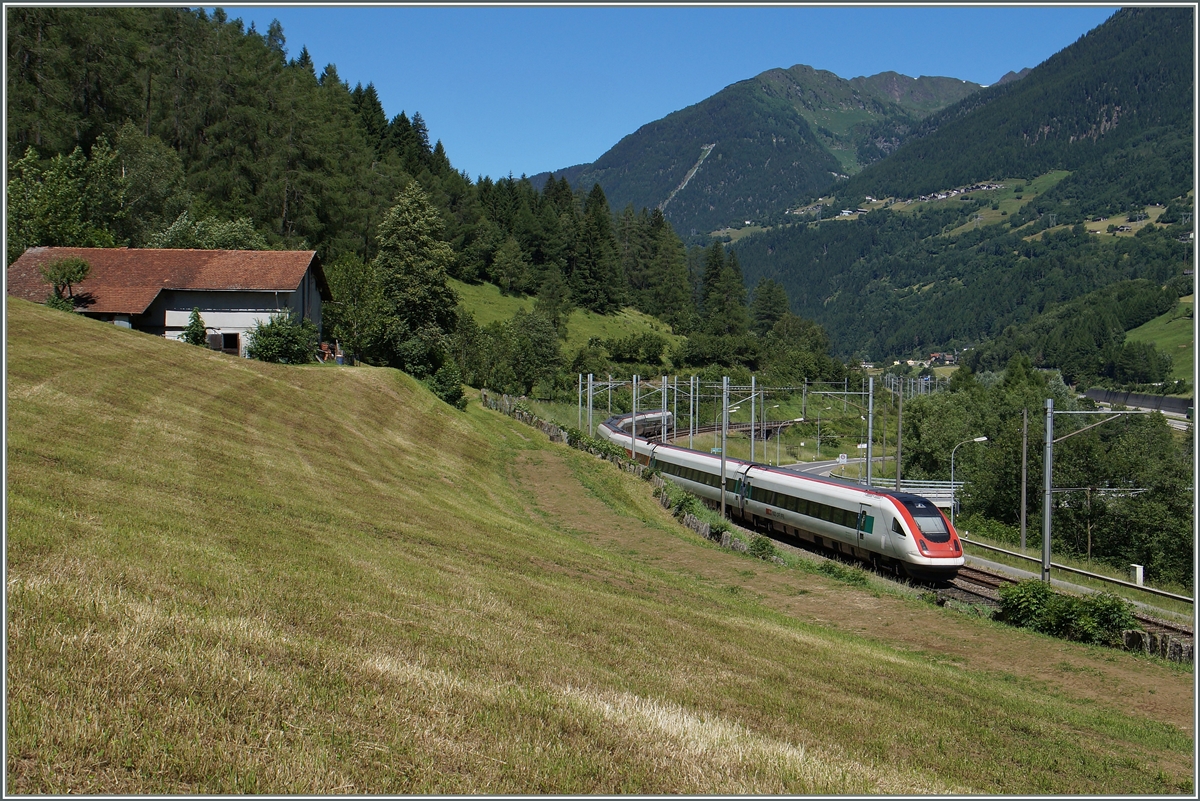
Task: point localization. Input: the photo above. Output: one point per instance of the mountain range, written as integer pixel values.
(761, 145)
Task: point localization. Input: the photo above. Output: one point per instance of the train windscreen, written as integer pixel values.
(929, 520)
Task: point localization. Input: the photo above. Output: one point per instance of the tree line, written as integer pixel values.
(1131, 498)
(179, 128)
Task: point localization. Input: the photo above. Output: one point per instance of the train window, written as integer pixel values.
(934, 528)
(929, 520)
(896, 527)
(867, 524)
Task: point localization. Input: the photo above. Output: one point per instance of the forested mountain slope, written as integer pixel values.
(1112, 113)
(1115, 109)
(775, 139)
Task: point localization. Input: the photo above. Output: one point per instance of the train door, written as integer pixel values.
(868, 537)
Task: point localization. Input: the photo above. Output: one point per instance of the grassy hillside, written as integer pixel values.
(1173, 333)
(227, 576)
(486, 303)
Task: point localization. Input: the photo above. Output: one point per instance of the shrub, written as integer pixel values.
(836, 570)
(762, 547)
(1097, 619)
(283, 339)
(447, 385)
(579, 439)
(60, 303)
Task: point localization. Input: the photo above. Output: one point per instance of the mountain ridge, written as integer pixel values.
(779, 136)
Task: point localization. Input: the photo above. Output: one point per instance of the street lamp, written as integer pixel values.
(953, 492)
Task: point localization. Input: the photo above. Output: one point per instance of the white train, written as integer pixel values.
(895, 530)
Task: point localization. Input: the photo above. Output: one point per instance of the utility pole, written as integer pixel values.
(633, 422)
(899, 434)
(752, 418)
(1048, 469)
(663, 428)
(692, 405)
(1048, 466)
(724, 435)
(870, 422)
(1024, 469)
(590, 432)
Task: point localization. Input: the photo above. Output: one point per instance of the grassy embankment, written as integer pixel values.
(227, 576)
(1172, 333)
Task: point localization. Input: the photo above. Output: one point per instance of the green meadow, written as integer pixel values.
(226, 576)
(1172, 333)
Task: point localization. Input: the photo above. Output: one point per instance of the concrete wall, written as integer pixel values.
(1134, 399)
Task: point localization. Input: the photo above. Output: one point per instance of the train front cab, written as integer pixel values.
(934, 550)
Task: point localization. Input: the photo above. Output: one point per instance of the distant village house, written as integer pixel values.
(155, 290)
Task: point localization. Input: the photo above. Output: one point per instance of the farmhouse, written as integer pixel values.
(155, 290)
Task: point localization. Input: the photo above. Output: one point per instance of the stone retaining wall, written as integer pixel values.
(1153, 643)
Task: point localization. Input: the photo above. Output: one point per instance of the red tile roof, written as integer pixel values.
(126, 280)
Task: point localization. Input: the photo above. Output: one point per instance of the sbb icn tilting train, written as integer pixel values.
(896, 530)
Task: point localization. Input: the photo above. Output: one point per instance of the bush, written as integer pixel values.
(283, 339)
(578, 439)
(1097, 619)
(836, 570)
(58, 302)
(762, 547)
(447, 385)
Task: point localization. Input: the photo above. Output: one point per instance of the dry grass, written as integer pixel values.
(226, 577)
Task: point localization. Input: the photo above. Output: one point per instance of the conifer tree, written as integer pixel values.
(769, 304)
(714, 263)
(413, 265)
(195, 333)
(596, 282)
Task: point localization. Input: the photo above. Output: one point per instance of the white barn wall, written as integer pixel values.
(223, 312)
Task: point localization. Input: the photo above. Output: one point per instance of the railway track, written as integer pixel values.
(976, 587)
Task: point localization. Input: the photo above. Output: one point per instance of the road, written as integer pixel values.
(822, 468)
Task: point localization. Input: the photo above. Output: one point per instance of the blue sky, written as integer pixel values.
(523, 90)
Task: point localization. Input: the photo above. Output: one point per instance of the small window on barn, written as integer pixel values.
(229, 343)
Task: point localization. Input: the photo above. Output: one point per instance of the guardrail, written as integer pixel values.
(1110, 580)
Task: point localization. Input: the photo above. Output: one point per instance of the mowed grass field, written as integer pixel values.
(225, 576)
